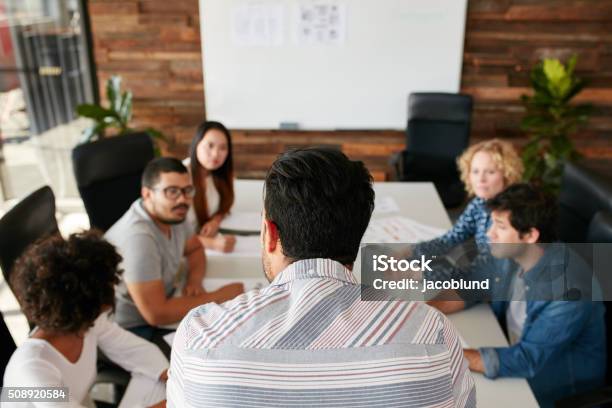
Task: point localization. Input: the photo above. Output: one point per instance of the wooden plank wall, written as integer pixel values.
(155, 46)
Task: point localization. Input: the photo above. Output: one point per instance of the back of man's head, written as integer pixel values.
(529, 207)
(321, 202)
(151, 173)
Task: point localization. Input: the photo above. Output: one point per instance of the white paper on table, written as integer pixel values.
(246, 247)
(385, 205)
(399, 230)
(249, 221)
(320, 22)
(257, 24)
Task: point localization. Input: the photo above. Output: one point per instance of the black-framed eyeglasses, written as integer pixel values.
(173, 192)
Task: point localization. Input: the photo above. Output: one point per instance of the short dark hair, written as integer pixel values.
(150, 175)
(321, 203)
(63, 285)
(529, 208)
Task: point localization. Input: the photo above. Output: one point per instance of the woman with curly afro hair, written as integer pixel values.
(66, 289)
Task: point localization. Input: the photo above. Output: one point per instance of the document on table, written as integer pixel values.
(248, 221)
(385, 205)
(246, 247)
(399, 229)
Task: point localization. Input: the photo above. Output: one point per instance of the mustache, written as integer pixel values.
(180, 206)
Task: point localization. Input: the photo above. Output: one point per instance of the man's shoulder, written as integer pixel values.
(210, 324)
(131, 224)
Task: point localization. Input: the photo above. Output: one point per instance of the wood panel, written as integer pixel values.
(155, 46)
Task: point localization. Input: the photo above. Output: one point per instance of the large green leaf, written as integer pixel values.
(95, 112)
(113, 92)
(125, 110)
(554, 70)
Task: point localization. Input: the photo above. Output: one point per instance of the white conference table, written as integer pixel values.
(419, 201)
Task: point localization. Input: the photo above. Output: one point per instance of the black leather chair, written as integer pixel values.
(32, 218)
(583, 193)
(438, 131)
(108, 174)
(7, 349)
(599, 234)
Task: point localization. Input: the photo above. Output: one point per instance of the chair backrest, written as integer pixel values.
(8, 347)
(583, 193)
(438, 123)
(32, 218)
(600, 235)
(108, 174)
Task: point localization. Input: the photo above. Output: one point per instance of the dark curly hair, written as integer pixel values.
(64, 285)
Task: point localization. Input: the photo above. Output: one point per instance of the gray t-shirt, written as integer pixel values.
(148, 254)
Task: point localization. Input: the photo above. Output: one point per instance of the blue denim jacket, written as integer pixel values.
(562, 350)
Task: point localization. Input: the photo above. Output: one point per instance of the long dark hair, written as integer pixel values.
(223, 177)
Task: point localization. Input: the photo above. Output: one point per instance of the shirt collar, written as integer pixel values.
(313, 269)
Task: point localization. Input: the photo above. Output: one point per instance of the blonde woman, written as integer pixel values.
(487, 168)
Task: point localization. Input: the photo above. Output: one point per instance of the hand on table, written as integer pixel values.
(193, 288)
(474, 359)
(224, 243)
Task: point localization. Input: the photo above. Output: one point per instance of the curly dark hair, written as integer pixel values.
(64, 285)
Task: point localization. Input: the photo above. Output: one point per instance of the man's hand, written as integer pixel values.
(224, 243)
(163, 377)
(193, 288)
(474, 359)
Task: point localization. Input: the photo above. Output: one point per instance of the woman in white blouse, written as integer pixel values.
(66, 288)
(211, 165)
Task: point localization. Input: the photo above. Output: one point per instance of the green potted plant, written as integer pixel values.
(550, 120)
(115, 117)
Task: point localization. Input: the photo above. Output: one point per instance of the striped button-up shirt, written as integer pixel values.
(309, 339)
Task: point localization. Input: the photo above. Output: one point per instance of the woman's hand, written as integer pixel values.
(224, 243)
(211, 228)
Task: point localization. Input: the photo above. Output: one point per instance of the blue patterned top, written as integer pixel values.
(473, 222)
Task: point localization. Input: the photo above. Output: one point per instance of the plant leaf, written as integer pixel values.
(113, 92)
(95, 112)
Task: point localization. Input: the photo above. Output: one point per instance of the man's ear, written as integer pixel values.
(271, 236)
(145, 192)
(532, 236)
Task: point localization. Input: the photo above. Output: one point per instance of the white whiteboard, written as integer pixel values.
(390, 49)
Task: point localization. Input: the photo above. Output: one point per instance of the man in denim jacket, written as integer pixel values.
(556, 331)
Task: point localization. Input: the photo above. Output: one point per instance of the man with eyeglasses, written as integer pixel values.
(153, 237)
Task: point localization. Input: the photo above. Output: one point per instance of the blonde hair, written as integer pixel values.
(502, 153)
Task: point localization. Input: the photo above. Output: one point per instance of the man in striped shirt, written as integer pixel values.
(310, 338)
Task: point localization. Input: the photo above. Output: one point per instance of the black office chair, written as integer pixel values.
(108, 174)
(32, 218)
(438, 132)
(7, 349)
(583, 193)
(599, 233)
